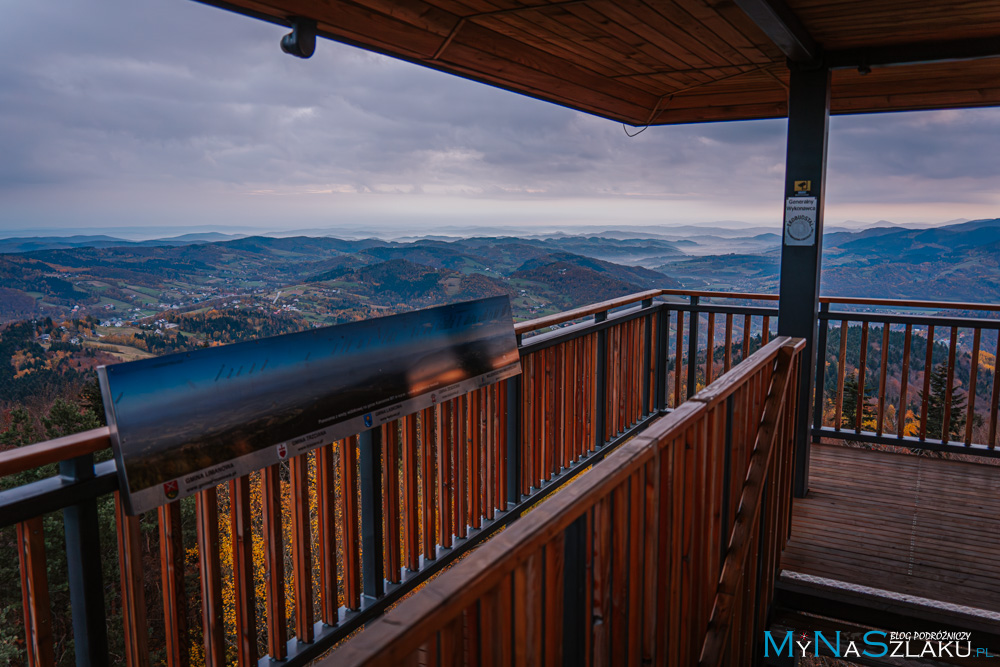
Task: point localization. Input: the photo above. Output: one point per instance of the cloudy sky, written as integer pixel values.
(170, 113)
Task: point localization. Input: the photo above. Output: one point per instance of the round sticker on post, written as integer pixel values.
(800, 221)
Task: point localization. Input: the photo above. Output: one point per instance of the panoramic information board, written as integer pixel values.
(185, 422)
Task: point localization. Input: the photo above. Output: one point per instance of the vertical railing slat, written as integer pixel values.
(970, 416)
(349, 516)
(274, 562)
(134, 624)
(427, 482)
(747, 323)
(461, 476)
(928, 370)
(904, 388)
(950, 382)
(210, 575)
(301, 547)
(859, 411)
(411, 508)
(244, 592)
(692, 358)
(994, 400)
(442, 419)
(841, 373)
(883, 368)
(35, 593)
(326, 521)
(172, 582)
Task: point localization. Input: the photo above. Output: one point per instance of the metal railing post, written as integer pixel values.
(819, 388)
(83, 564)
(574, 591)
(372, 565)
(600, 385)
(647, 345)
(513, 452)
(662, 323)
(692, 348)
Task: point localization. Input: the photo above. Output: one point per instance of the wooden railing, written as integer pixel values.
(286, 562)
(290, 560)
(876, 374)
(664, 553)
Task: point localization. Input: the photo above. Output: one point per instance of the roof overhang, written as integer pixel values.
(681, 61)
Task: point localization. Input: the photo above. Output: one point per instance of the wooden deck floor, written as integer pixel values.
(913, 525)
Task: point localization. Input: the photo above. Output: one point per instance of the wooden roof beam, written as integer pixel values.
(916, 53)
(783, 28)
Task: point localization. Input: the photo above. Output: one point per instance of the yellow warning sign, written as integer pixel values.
(803, 186)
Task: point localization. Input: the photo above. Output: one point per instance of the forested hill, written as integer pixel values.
(137, 281)
(958, 262)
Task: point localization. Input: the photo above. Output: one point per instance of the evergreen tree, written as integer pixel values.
(849, 412)
(935, 406)
(92, 401)
(67, 418)
(18, 430)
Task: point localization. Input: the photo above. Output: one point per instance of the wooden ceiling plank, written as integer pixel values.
(569, 28)
(592, 23)
(543, 86)
(476, 40)
(570, 50)
(456, 7)
(658, 83)
(958, 99)
(660, 19)
(418, 13)
(722, 113)
(649, 27)
(729, 33)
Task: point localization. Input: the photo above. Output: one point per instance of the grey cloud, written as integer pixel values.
(174, 97)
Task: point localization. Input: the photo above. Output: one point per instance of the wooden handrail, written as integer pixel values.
(24, 458)
(845, 300)
(583, 311)
(720, 295)
(725, 385)
(905, 303)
